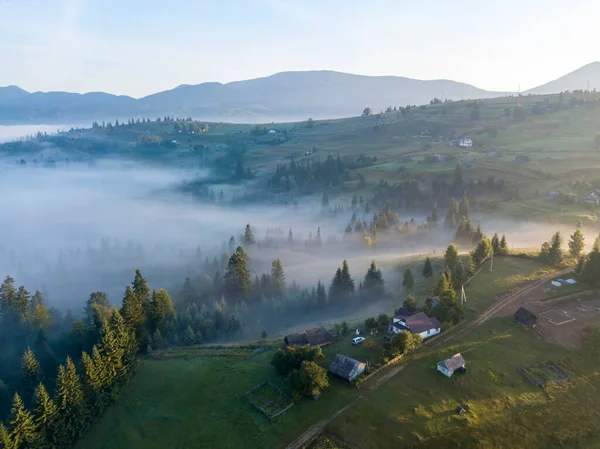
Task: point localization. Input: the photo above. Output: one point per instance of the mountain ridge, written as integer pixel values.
(290, 95)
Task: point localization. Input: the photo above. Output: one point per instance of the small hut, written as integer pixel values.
(346, 368)
(525, 318)
(454, 363)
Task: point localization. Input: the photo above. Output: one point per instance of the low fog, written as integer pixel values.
(77, 228)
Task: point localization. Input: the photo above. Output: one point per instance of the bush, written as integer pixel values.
(291, 358)
(309, 380)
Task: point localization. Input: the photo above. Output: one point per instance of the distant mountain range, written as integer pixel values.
(283, 96)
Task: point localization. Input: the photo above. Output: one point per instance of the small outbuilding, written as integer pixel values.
(525, 318)
(454, 363)
(317, 336)
(346, 368)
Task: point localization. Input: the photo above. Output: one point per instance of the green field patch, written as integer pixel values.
(543, 374)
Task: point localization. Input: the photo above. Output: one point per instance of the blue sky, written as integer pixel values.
(136, 47)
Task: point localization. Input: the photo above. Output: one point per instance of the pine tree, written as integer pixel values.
(141, 290)
(347, 281)
(248, 238)
(443, 284)
(591, 269)
(127, 345)
(290, 237)
(69, 399)
(503, 246)
(277, 278)
(321, 295)
(452, 215)
(335, 289)
(451, 256)
(98, 299)
(237, 278)
(45, 414)
(463, 207)
(190, 336)
(495, 243)
(555, 253)
(408, 280)
(133, 314)
(161, 309)
(577, 243)
(23, 434)
(428, 268)
(5, 440)
(232, 244)
(30, 369)
(581, 261)
(477, 235)
(92, 384)
(374, 282)
(482, 252)
(410, 304)
(157, 340)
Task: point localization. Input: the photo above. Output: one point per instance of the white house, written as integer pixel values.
(454, 363)
(465, 143)
(272, 131)
(416, 324)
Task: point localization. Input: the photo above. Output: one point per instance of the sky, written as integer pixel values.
(135, 47)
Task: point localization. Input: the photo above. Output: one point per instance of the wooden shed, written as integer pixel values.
(525, 318)
(346, 368)
(454, 363)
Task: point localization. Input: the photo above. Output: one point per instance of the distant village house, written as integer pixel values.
(418, 323)
(465, 143)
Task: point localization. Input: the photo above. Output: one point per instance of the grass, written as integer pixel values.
(503, 409)
(509, 273)
(200, 403)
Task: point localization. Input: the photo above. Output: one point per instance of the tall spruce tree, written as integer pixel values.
(69, 398)
(427, 268)
(451, 256)
(98, 299)
(374, 282)
(248, 239)
(452, 215)
(503, 246)
(134, 315)
(162, 310)
(434, 213)
(277, 278)
(237, 282)
(555, 254)
(30, 369)
(321, 294)
(23, 433)
(408, 280)
(495, 243)
(347, 281)
(577, 243)
(45, 414)
(463, 207)
(5, 440)
(22, 305)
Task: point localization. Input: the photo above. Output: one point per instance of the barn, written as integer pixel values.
(317, 336)
(346, 368)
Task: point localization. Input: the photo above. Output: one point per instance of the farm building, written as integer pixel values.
(317, 336)
(418, 323)
(465, 143)
(401, 314)
(522, 159)
(525, 318)
(593, 197)
(346, 368)
(454, 363)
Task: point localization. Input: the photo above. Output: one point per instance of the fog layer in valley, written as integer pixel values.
(74, 229)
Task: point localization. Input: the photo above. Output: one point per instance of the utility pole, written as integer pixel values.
(492, 263)
(463, 296)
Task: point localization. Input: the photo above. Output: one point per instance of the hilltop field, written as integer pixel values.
(536, 144)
